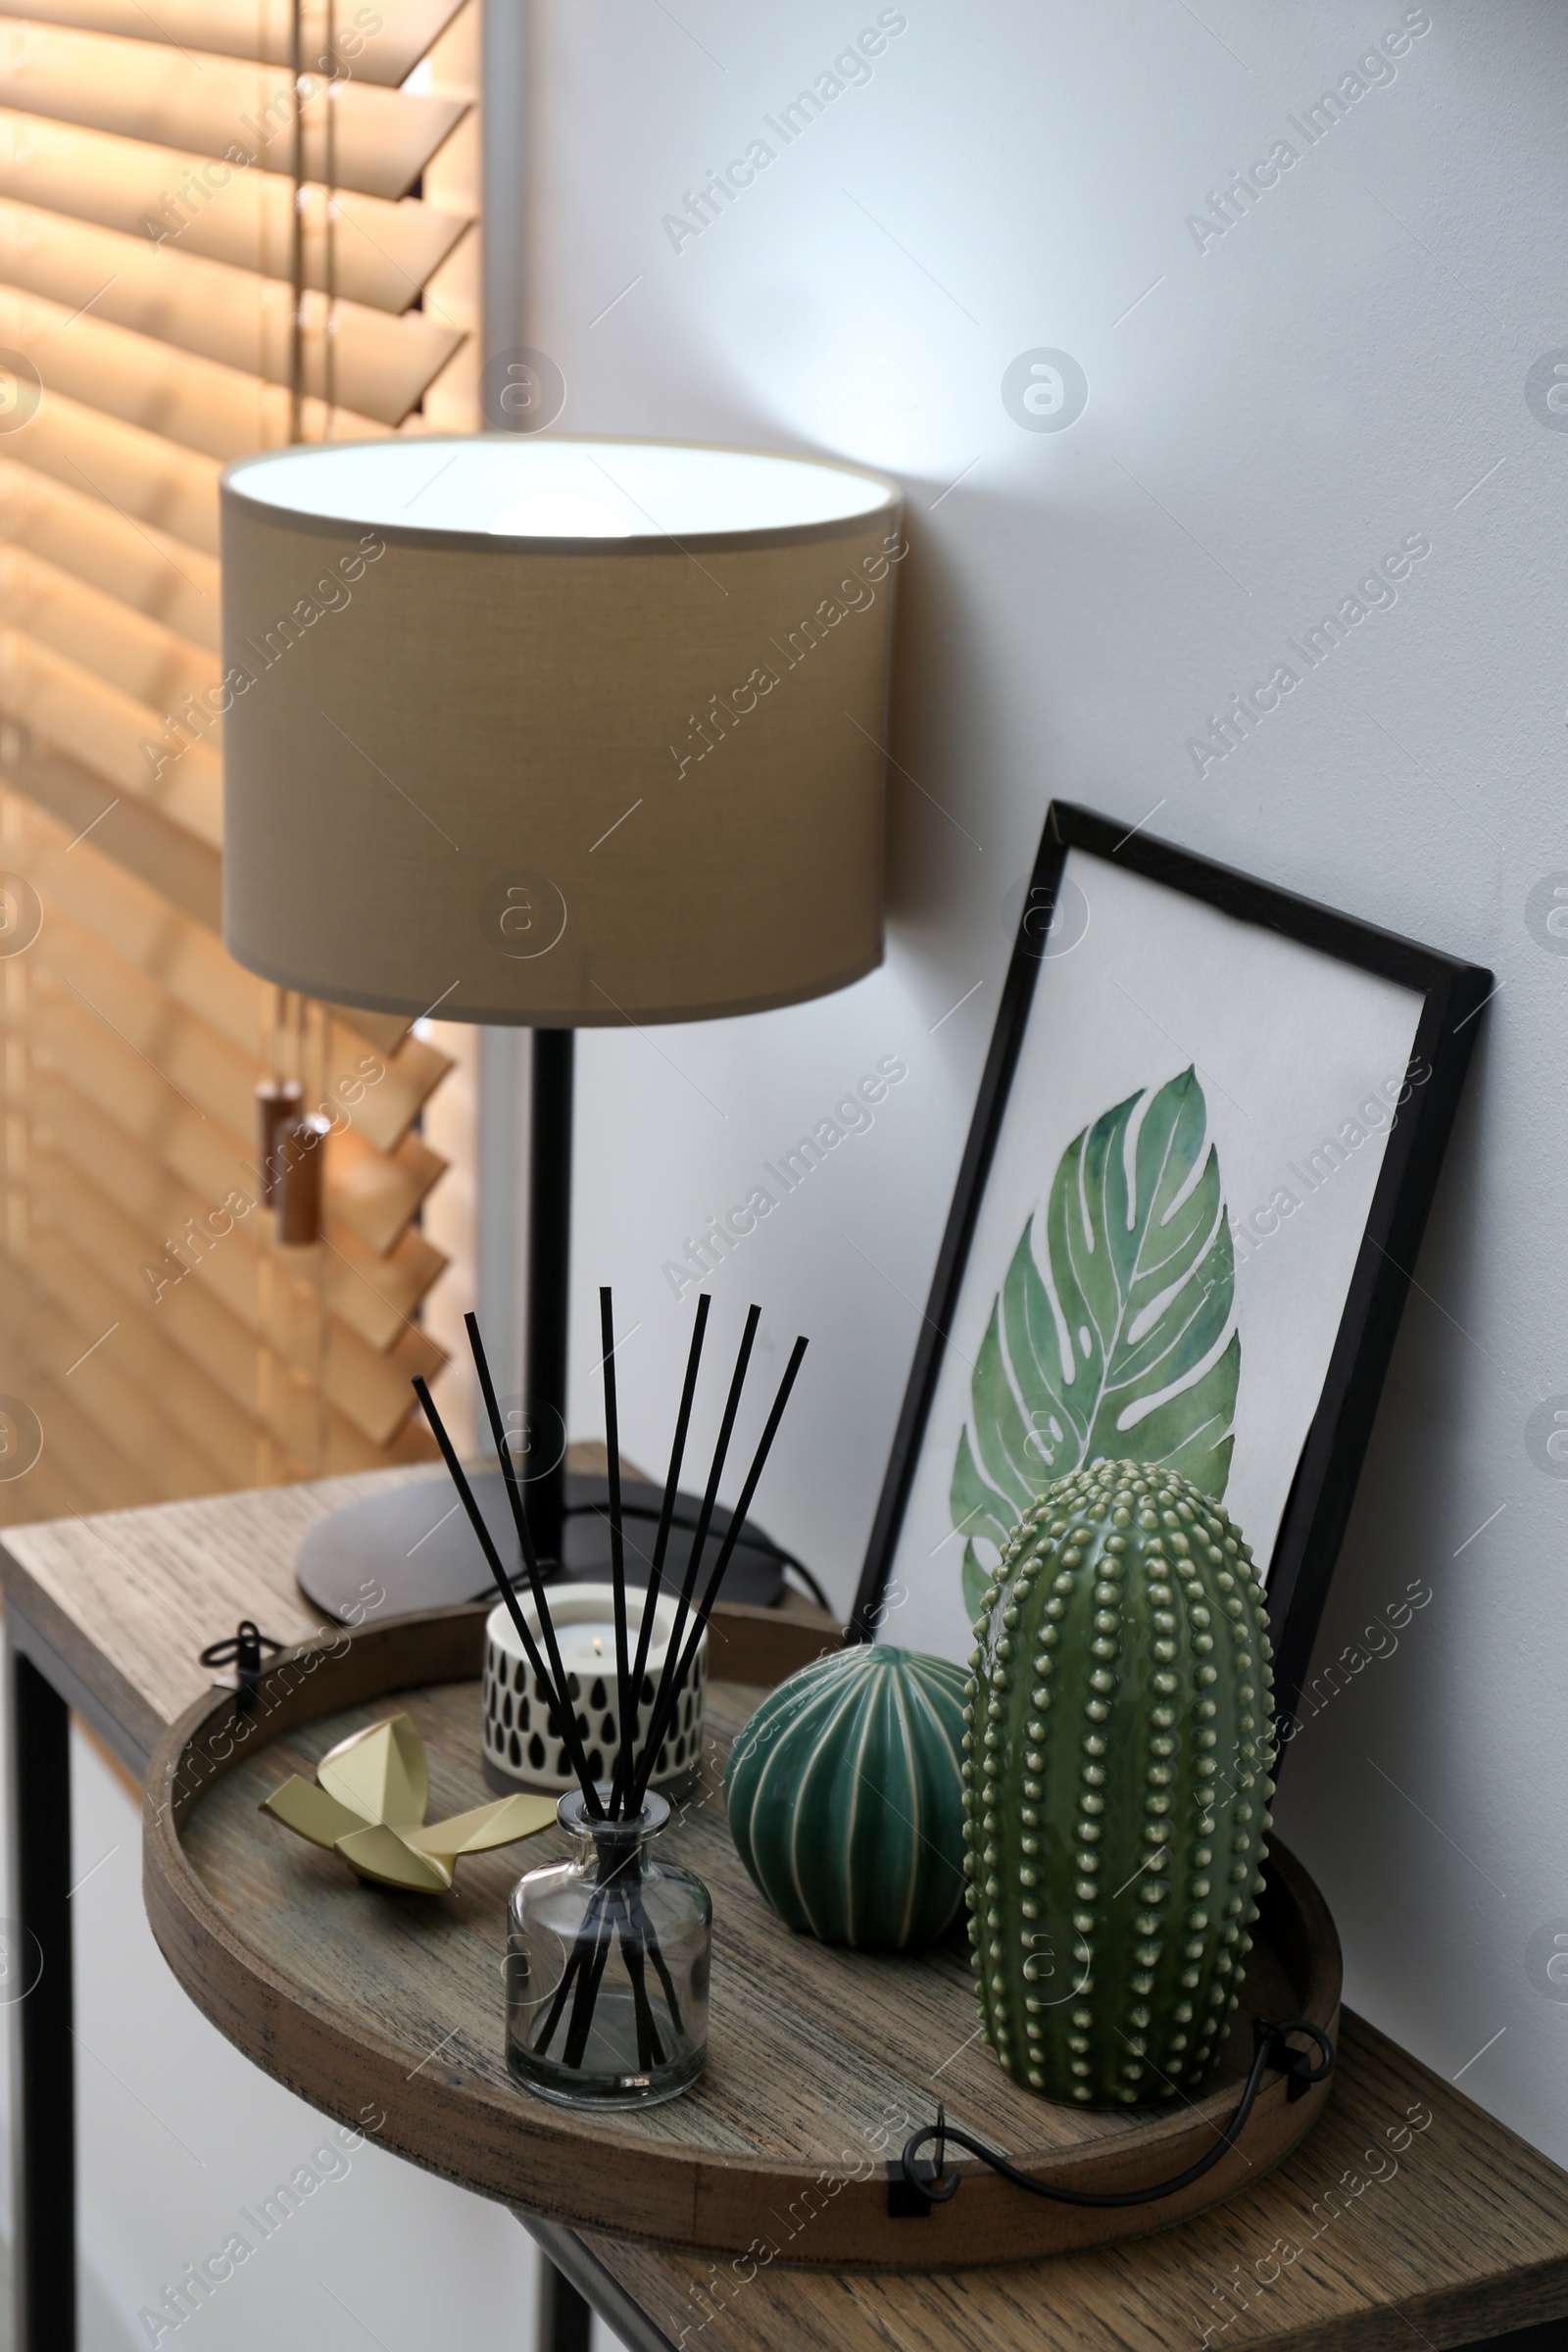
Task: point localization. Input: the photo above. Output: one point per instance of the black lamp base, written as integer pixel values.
(412, 1548)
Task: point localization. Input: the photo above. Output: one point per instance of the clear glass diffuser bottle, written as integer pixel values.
(608, 1959)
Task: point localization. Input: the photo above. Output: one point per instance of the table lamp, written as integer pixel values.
(564, 733)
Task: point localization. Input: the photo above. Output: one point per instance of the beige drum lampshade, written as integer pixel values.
(561, 732)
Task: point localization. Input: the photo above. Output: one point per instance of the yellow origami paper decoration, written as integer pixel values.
(367, 1802)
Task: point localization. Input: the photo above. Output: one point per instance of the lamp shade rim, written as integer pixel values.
(656, 542)
(607, 1015)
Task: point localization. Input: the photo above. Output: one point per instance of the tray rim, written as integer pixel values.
(551, 2161)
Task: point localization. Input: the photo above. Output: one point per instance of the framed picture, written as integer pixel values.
(1205, 1143)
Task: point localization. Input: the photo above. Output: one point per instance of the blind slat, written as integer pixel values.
(380, 139)
(195, 400)
(112, 1393)
(107, 732)
(187, 872)
(381, 1090)
(167, 580)
(198, 1064)
(375, 1295)
(195, 1318)
(111, 1478)
(379, 365)
(144, 477)
(389, 1289)
(368, 1384)
(118, 644)
(388, 1107)
(386, 1030)
(229, 1434)
(375, 1194)
(212, 1074)
(380, 45)
(382, 252)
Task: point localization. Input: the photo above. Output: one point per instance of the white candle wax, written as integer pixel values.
(584, 1617)
(592, 1642)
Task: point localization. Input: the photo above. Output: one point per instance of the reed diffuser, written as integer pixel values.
(608, 1953)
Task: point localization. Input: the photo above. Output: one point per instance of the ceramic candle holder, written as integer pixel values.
(522, 1743)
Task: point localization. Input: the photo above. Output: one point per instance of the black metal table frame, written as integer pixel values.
(43, 1693)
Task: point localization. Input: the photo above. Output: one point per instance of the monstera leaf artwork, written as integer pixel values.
(1110, 1339)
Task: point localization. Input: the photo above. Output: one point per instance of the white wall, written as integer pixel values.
(179, 2139)
(1340, 369)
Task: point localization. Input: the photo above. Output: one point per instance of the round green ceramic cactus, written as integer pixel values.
(1116, 1786)
(844, 1795)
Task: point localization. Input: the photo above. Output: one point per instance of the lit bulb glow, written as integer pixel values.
(558, 515)
(515, 487)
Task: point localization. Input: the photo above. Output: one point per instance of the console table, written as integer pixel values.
(1407, 2216)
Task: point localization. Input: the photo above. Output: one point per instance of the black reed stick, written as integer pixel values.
(650, 2049)
(617, 1549)
(670, 1686)
(640, 1918)
(547, 2032)
(591, 1976)
(597, 1929)
(560, 1689)
(563, 1716)
(688, 1587)
(656, 1572)
(615, 1912)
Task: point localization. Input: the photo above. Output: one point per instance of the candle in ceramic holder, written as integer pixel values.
(522, 1743)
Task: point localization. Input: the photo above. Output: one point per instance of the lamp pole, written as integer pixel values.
(549, 1293)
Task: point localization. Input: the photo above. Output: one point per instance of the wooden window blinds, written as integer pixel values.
(225, 224)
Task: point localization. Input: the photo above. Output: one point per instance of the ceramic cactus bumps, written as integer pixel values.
(1116, 1786)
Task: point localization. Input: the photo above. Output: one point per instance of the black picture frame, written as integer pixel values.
(1453, 993)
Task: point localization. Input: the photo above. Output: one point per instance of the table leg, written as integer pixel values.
(35, 1955)
(565, 2320)
(592, 2288)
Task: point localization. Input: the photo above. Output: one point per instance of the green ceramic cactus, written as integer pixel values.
(844, 1795)
(1116, 1786)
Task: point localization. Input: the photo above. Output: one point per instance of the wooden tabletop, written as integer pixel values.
(125, 1602)
(1406, 2217)
(122, 1604)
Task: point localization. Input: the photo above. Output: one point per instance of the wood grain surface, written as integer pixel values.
(1468, 2240)
(1407, 2218)
(818, 2060)
(130, 1599)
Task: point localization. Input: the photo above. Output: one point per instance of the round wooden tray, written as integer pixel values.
(385, 2010)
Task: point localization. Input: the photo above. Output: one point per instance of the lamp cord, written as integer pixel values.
(917, 2182)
